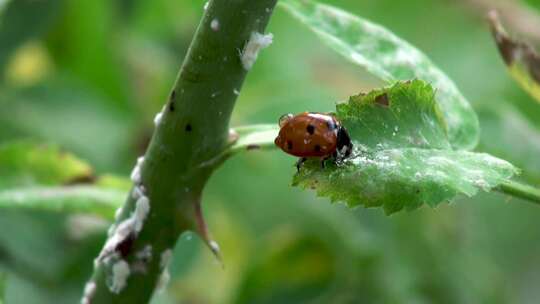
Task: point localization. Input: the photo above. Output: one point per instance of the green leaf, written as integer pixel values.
(518, 140)
(22, 20)
(70, 199)
(521, 59)
(36, 177)
(26, 163)
(402, 156)
(390, 58)
(255, 137)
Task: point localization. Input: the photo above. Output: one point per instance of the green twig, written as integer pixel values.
(519, 190)
(192, 129)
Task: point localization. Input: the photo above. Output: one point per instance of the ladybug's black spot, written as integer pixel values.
(383, 100)
(310, 129)
(188, 128)
(317, 148)
(289, 145)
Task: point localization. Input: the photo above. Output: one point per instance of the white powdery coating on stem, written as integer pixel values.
(141, 212)
(138, 191)
(120, 272)
(165, 275)
(136, 173)
(118, 213)
(89, 290)
(214, 25)
(163, 281)
(165, 258)
(145, 253)
(256, 42)
(159, 117)
(131, 225)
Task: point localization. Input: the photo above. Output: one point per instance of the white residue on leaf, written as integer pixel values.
(482, 183)
(89, 290)
(214, 25)
(136, 173)
(256, 43)
(236, 92)
(120, 274)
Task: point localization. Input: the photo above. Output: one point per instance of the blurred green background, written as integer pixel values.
(89, 76)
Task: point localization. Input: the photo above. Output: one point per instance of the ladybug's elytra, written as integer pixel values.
(313, 135)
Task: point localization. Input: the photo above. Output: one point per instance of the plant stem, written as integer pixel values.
(194, 129)
(519, 190)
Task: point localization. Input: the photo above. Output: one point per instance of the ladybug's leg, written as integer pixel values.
(324, 159)
(299, 163)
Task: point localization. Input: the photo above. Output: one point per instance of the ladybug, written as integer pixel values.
(313, 135)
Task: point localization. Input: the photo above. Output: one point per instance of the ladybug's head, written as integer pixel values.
(285, 118)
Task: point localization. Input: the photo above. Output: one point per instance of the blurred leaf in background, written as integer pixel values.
(88, 78)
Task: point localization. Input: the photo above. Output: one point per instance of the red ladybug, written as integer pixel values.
(313, 135)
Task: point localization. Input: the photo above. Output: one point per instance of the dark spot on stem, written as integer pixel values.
(289, 145)
(383, 100)
(125, 246)
(310, 129)
(172, 99)
(188, 128)
(253, 147)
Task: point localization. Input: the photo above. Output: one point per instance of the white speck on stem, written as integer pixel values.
(89, 290)
(157, 118)
(214, 246)
(163, 281)
(236, 92)
(256, 42)
(138, 191)
(118, 213)
(120, 274)
(141, 212)
(164, 264)
(165, 258)
(214, 25)
(136, 173)
(145, 253)
(206, 5)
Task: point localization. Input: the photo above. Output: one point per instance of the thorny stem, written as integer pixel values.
(194, 128)
(519, 190)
